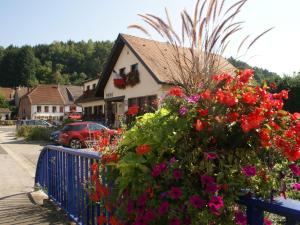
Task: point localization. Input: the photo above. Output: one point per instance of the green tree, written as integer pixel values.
(3, 102)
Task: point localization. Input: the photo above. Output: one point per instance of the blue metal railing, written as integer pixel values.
(61, 173)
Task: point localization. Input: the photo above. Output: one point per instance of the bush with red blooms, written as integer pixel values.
(188, 162)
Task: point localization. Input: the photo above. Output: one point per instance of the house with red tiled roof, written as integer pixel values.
(8, 93)
(50, 102)
(138, 72)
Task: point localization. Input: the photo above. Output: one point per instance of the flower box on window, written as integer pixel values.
(133, 78)
(120, 83)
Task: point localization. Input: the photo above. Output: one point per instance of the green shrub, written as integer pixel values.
(7, 122)
(32, 133)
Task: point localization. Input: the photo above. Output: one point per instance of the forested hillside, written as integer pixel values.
(60, 62)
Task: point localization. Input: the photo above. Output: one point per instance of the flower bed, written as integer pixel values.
(188, 162)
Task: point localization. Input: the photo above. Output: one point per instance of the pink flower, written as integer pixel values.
(249, 171)
(211, 188)
(296, 186)
(240, 218)
(158, 169)
(163, 208)
(148, 215)
(211, 155)
(130, 206)
(215, 204)
(142, 200)
(175, 193)
(174, 221)
(205, 179)
(267, 221)
(295, 169)
(196, 201)
(183, 110)
(177, 174)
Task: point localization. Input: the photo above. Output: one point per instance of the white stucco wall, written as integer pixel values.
(90, 83)
(35, 113)
(147, 86)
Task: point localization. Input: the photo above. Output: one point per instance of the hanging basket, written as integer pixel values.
(120, 83)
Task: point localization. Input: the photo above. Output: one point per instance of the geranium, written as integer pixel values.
(199, 125)
(250, 98)
(203, 112)
(143, 149)
(211, 155)
(176, 91)
(174, 221)
(245, 75)
(193, 99)
(133, 110)
(296, 186)
(183, 110)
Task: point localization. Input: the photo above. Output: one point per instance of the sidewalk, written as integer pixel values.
(17, 171)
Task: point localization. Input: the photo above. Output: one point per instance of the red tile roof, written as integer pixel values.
(7, 93)
(45, 95)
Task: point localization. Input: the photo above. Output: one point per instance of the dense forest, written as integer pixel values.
(60, 62)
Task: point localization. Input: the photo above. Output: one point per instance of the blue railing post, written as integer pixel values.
(255, 216)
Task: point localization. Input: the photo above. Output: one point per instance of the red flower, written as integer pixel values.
(101, 220)
(133, 110)
(176, 91)
(232, 117)
(143, 149)
(246, 75)
(295, 116)
(203, 112)
(196, 201)
(199, 125)
(251, 121)
(249, 98)
(206, 94)
(175, 193)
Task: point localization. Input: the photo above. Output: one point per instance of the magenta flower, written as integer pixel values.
(163, 208)
(296, 186)
(240, 218)
(156, 171)
(211, 155)
(193, 99)
(162, 167)
(249, 171)
(175, 221)
(142, 199)
(149, 215)
(215, 204)
(172, 160)
(211, 188)
(196, 201)
(295, 169)
(130, 207)
(177, 174)
(183, 110)
(175, 193)
(205, 179)
(267, 222)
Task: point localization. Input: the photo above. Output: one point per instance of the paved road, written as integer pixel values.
(17, 170)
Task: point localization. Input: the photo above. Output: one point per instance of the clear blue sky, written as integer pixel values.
(43, 21)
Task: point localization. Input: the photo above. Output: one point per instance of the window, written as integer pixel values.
(94, 86)
(74, 127)
(134, 67)
(46, 108)
(88, 87)
(94, 126)
(54, 109)
(61, 109)
(122, 71)
(145, 104)
(72, 108)
(39, 108)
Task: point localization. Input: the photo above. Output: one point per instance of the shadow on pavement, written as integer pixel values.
(20, 209)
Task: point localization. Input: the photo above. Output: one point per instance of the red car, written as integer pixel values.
(74, 135)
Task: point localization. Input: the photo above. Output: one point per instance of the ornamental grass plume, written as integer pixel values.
(203, 39)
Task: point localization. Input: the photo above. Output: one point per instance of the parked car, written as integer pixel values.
(54, 136)
(74, 135)
(40, 123)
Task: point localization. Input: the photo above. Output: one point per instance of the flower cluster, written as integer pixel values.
(191, 159)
